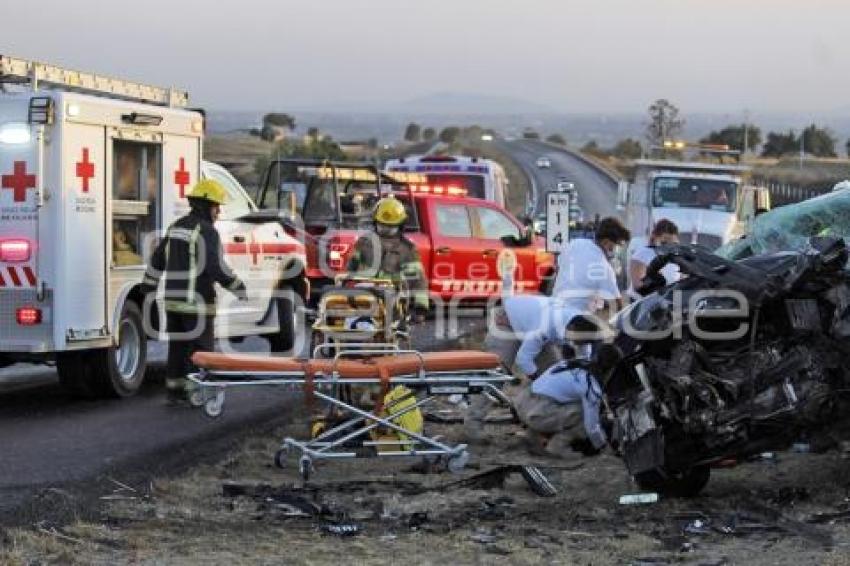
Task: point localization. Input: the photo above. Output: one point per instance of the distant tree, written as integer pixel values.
(530, 134)
(733, 136)
(270, 133)
(557, 138)
(473, 132)
(429, 134)
(372, 143)
(778, 144)
(280, 120)
(592, 148)
(450, 134)
(627, 149)
(847, 147)
(413, 132)
(313, 132)
(818, 142)
(664, 122)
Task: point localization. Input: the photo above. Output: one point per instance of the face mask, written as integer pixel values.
(385, 230)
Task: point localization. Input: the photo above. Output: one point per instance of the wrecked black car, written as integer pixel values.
(737, 358)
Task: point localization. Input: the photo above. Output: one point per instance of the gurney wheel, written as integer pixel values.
(214, 406)
(280, 457)
(305, 466)
(457, 462)
(197, 398)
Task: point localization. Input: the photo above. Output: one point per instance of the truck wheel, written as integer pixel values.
(682, 484)
(284, 339)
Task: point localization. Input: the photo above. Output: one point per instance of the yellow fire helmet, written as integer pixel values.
(389, 210)
(209, 190)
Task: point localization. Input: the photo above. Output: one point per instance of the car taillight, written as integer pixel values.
(28, 316)
(15, 250)
(336, 255)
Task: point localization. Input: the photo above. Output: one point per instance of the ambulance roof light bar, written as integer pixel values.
(14, 70)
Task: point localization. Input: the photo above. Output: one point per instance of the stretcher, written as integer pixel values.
(424, 375)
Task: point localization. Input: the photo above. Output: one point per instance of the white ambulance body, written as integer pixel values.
(92, 170)
(455, 175)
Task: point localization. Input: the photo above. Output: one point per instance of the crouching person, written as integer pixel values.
(561, 407)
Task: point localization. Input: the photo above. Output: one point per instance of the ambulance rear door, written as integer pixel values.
(19, 179)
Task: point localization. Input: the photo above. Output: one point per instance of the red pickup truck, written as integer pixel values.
(459, 238)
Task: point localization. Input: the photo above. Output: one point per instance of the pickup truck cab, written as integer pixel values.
(459, 238)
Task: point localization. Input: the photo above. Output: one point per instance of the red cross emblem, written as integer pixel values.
(85, 169)
(19, 181)
(181, 177)
(254, 248)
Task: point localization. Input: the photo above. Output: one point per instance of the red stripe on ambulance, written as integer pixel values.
(13, 274)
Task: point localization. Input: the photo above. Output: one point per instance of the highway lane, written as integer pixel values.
(49, 440)
(597, 193)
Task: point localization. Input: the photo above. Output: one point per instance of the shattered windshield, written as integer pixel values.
(789, 228)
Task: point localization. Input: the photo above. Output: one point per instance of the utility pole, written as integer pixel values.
(802, 146)
(746, 132)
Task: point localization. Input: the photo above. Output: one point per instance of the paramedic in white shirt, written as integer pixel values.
(665, 232)
(518, 332)
(586, 280)
(561, 407)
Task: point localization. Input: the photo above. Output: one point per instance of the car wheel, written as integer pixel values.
(283, 340)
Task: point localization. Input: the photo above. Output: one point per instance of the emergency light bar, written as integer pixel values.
(22, 71)
(340, 173)
(439, 190)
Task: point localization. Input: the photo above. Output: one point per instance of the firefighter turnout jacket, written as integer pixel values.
(399, 261)
(192, 259)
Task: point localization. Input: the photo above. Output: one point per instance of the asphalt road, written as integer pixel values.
(597, 193)
(50, 441)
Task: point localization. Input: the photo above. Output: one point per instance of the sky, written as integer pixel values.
(597, 56)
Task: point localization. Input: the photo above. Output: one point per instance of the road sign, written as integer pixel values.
(557, 221)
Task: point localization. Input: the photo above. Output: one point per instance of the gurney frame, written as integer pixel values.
(208, 386)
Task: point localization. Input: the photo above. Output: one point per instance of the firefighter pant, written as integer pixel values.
(187, 334)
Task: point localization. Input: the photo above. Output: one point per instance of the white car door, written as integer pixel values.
(251, 248)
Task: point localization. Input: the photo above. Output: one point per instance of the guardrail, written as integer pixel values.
(612, 175)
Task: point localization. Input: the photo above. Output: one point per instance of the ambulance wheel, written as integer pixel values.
(117, 371)
(123, 366)
(284, 339)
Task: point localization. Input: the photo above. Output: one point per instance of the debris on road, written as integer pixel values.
(638, 498)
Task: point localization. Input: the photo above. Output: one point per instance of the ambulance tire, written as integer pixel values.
(118, 381)
(94, 374)
(283, 340)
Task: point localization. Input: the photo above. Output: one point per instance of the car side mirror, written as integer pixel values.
(523, 240)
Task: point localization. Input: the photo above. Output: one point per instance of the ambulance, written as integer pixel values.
(455, 175)
(92, 170)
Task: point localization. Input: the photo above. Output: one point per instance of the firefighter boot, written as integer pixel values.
(175, 390)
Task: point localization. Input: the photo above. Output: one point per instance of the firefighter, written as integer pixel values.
(396, 257)
(191, 257)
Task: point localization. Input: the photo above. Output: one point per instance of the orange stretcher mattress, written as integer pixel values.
(377, 367)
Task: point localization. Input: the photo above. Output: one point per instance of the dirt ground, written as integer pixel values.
(244, 510)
